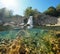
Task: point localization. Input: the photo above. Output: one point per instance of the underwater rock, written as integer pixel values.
(58, 35)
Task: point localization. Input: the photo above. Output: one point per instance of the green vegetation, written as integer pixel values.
(58, 9)
(52, 11)
(5, 13)
(30, 12)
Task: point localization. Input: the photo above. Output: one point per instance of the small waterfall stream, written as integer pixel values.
(30, 22)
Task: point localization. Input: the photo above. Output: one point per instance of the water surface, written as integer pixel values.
(13, 33)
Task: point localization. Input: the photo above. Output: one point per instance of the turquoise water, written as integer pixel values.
(12, 33)
(8, 34)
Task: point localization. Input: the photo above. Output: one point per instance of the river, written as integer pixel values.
(13, 33)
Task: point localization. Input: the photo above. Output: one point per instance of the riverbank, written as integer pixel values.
(3, 28)
(49, 27)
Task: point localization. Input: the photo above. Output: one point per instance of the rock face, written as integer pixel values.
(13, 19)
(43, 19)
(58, 23)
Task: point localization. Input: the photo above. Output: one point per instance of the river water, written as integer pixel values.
(13, 33)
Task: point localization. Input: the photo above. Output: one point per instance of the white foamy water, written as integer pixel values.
(30, 22)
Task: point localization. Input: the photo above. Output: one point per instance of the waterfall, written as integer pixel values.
(30, 22)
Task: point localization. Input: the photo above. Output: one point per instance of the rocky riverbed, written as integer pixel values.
(49, 43)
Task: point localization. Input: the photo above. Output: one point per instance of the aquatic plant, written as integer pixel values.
(36, 44)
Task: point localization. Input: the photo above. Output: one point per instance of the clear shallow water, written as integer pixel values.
(12, 33)
(8, 34)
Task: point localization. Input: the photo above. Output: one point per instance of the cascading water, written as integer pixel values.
(30, 22)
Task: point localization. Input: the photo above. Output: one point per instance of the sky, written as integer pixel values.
(19, 6)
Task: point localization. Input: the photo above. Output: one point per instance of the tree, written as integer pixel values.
(30, 12)
(5, 13)
(58, 9)
(51, 11)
